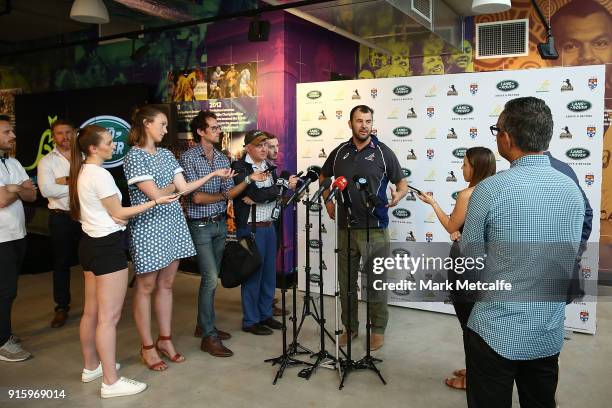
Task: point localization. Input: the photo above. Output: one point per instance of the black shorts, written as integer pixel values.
(102, 255)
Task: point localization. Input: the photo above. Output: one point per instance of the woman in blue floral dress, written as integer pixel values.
(160, 237)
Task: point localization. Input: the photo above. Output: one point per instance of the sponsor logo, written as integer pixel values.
(314, 207)
(401, 213)
(451, 177)
(119, 130)
(431, 111)
(322, 116)
(314, 132)
(459, 152)
(567, 86)
(339, 114)
(411, 237)
(431, 134)
(463, 109)
(410, 196)
(565, 134)
(590, 131)
(431, 176)
(589, 179)
(579, 105)
(356, 94)
(322, 153)
(374, 93)
(586, 272)
(393, 114)
(402, 90)
(430, 153)
(315, 278)
(402, 131)
(411, 155)
(429, 236)
(544, 86)
(400, 252)
(577, 153)
(473, 133)
(313, 95)
(452, 91)
(451, 134)
(584, 316)
(433, 91)
(592, 83)
(496, 111)
(313, 243)
(473, 89)
(345, 156)
(406, 172)
(507, 85)
(411, 114)
(455, 195)
(370, 157)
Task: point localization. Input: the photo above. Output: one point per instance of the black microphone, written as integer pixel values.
(283, 185)
(339, 184)
(362, 185)
(322, 187)
(312, 174)
(348, 206)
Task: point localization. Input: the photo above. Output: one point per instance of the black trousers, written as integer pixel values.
(491, 377)
(11, 256)
(65, 235)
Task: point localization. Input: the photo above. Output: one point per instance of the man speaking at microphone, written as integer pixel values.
(365, 156)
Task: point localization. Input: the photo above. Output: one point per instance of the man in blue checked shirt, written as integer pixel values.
(519, 340)
(206, 208)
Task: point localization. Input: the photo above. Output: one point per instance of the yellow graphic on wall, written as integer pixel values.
(45, 145)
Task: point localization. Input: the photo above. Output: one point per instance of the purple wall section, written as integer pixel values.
(296, 51)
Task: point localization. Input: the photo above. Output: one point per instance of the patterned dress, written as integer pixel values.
(160, 235)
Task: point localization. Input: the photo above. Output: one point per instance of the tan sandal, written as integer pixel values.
(177, 358)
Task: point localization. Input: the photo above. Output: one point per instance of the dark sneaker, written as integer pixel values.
(272, 323)
(258, 329)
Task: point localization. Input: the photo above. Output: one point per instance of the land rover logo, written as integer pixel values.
(577, 153)
(402, 131)
(315, 278)
(507, 85)
(406, 172)
(313, 243)
(402, 90)
(119, 129)
(313, 95)
(401, 213)
(579, 105)
(314, 207)
(314, 132)
(400, 252)
(463, 109)
(459, 152)
(455, 195)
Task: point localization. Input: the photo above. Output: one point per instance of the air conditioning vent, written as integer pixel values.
(502, 39)
(422, 8)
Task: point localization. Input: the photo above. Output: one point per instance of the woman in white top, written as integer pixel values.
(95, 201)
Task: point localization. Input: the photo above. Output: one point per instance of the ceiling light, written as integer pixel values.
(490, 6)
(89, 11)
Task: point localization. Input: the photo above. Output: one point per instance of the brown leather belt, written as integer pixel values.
(262, 224)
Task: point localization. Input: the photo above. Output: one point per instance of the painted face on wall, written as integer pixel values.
(464, 59)
(433, 65)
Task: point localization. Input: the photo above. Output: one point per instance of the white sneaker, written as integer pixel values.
(13, 352)
(122, 387)
(90, 375)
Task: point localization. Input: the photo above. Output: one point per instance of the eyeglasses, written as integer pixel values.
(215, 128)
(495, 130)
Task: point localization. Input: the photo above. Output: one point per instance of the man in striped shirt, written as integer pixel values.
(519, 338)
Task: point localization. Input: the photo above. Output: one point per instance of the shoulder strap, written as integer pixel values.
(253, 219)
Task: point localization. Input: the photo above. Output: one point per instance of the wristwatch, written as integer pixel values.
(248, 180)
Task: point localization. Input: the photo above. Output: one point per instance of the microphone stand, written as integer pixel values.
(368, 362)
(285, 359)
(323, 354)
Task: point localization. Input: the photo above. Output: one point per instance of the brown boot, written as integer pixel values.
(376, 341)
(213, 346)
(343, 339)
(61, 315)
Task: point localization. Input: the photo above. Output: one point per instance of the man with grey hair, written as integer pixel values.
(512, 338)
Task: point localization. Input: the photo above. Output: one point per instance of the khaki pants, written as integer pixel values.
(379, 313)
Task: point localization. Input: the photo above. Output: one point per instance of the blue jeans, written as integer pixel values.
(209, 241)
(258, 291)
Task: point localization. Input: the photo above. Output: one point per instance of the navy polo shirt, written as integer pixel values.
(378, 164)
